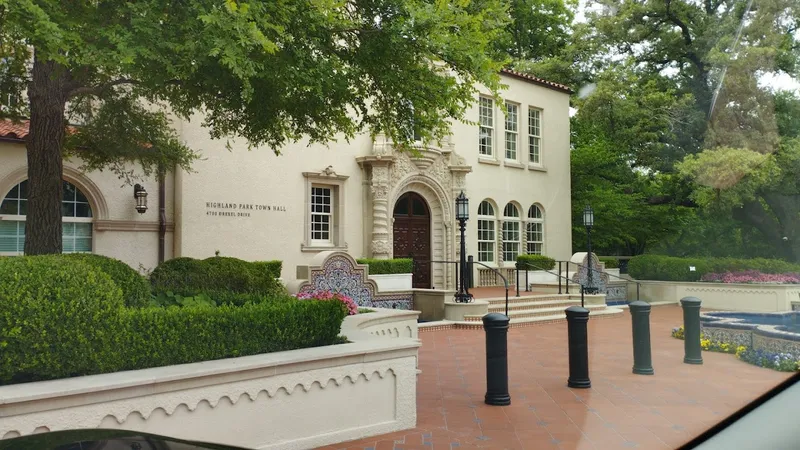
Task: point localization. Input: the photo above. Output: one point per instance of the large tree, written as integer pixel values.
(271, 71)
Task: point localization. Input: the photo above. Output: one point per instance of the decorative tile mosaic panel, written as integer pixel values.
(599, 278)
(340, 273)
(617, 293)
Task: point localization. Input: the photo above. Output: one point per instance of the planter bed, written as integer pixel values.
(291, 399)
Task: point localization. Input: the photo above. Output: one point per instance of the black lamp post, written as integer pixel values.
(462, 215)
(588, 222)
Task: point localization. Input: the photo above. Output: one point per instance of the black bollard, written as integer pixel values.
(496, 326)
(640, 324)
(577, 320)
(691, 330)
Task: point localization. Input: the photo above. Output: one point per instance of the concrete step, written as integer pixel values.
(537, 312)
(522, 306)
(525, 299)
(594, 314)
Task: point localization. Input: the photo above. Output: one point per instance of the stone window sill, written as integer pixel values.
(490, 161)
(514, 164)
(322, 248)
(537, 168)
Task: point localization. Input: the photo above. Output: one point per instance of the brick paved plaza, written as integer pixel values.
(620, 411)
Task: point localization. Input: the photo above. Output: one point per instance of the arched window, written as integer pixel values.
(76, 214)
(486, 232)
(535, 230)
(511, 233)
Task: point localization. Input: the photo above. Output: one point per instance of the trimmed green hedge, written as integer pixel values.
(611, 263)
(61, 317)
(272, 268)
(669, 268)
(388, 266)
(135, 288)
(226, 280)
(185, 335)
(57, 319)
(535, 262)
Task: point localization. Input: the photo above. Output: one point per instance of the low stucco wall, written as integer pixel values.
(287, 400)
(430, 303)
(724, 296)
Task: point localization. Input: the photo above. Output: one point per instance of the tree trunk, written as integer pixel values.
(47, 94)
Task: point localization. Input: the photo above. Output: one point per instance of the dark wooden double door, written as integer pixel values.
(412, 236)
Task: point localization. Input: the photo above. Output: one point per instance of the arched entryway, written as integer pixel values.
(412, 235)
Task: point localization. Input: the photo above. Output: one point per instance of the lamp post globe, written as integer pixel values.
(588, 222)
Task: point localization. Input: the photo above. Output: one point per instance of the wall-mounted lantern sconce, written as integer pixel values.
(140, 195)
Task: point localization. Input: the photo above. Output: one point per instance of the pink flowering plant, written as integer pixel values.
(352, 307)
(752, 276)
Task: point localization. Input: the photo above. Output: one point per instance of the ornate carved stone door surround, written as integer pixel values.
(437, 174)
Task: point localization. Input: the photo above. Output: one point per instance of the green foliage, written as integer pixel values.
(388, 266)
(270, 268)
(535, 262)
(225, 280)
(185, 335)
(169, 299)
(611, 263)
(57, 319)
(538, 28)
(135, 288)
(668, 268)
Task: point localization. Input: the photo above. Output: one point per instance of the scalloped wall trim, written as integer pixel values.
(368, 397)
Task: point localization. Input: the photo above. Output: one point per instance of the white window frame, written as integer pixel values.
(511, 134)
(530, 230)
(486, 126)
(19, 218)
(511, 226)
(319, 192)
(334, 182)
(535, 136)
(487, 224)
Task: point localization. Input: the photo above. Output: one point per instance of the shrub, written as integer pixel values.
(186, 335)
(225, 280)
(611, 263)
(273, 268)
(135, 288)
(535, 262)
(349, 304)
(388, 266)
(57, 319)
(668, 268)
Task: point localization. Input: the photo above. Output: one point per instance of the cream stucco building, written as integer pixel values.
(362, 197)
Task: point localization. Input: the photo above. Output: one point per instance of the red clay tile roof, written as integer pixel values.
(536, 80)
(13, 130)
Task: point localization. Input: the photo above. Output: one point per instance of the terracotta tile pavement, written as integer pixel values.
(620, 411)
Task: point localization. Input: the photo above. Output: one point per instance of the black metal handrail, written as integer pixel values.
(505, 281)
(638, 285)
(558, 275)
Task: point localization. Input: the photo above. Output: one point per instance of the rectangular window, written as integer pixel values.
(75, 236)
(486, 240)
(534, 136)
(321, 214)
(486, 119)
(511, 240)
(512, 130)
(535, 238)
(12, 236)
